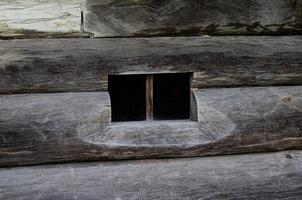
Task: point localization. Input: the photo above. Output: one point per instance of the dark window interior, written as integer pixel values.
(171, 96)
(128, 97)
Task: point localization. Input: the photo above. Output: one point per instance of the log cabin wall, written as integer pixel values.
(55, 105)
(245, 58)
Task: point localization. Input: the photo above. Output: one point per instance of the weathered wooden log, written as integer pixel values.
(38, 121)
(31, 19)
(193, 17)
(258, 176)
(44, 128)
(112, 18)
(66, 65)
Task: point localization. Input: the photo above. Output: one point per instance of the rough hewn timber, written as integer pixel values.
(35, 125)
(113, 18)
(65, 65)
(31, 18)
(44, 128)
(259, 176)
(116, 18)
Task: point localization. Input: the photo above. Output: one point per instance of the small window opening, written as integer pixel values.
(150, 97)
(171, 96)
(128, 97)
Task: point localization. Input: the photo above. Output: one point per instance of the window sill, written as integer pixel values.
(150, 133)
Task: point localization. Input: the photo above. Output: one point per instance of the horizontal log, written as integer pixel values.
(31, 19)
(45, 128)
(258, 176)
(69, 65)
(30, 122)
(113, 18)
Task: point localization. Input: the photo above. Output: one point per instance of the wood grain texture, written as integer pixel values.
(123, 18)
(259, 176)
(45, 128)
(31, 18)
(38, 121)
(149, 97)
(69, 65)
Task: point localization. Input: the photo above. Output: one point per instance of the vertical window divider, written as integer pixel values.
(149, 97)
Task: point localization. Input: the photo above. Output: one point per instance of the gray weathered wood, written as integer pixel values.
(65, 65)
(31, 18)
(244, 177)
(37, 123)
(44, 128)
(116, 18)
(113, 18)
